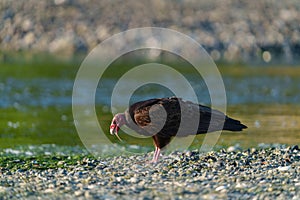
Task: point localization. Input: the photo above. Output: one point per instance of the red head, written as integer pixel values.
(118, 121)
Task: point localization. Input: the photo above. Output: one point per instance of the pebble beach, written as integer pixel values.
(40, 159)
(256, 173)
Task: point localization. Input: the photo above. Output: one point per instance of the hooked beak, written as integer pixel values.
(114, 128)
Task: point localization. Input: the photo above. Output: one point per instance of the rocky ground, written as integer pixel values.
(229, 30)
(271, 173)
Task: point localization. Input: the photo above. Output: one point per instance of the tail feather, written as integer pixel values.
(233, 125)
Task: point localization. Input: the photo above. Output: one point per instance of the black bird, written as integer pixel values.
(164, 118)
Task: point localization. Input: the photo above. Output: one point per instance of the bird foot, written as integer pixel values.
(152, 161)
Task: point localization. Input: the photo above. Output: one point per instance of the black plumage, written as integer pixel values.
(164, 118)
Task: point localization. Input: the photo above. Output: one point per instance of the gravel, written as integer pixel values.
(267, 173)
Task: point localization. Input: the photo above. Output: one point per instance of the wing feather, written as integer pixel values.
(163, 117)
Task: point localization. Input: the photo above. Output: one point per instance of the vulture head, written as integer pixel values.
(118, 121)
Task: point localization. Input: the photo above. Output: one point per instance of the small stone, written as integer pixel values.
(285, 168)
(2, 189)
(78, 193)
(119, 179)
(49, 190)
(133, 180)
(63, 45)
(27, 25)
(231, 149)
(59, 2)
(241, 185)
(221, 188)
(28, 39)
(61, 162)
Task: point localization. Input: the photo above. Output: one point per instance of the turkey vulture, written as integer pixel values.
(161, 118)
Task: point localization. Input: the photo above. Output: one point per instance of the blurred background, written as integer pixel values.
(251, 32)
(255, 44)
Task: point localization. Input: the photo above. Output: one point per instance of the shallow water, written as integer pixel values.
(46, 92)
(36, 108)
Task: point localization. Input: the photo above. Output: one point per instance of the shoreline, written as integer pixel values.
(254, 173)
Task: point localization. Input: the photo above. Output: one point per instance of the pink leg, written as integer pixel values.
(156, 155)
